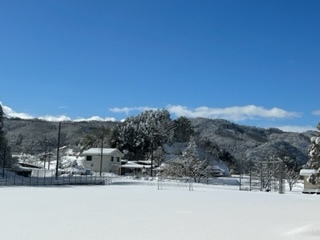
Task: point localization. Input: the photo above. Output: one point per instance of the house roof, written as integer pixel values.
(97, 151)
(133, 165)
(307, 172)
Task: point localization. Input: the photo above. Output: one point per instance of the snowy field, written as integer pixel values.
(137, 210)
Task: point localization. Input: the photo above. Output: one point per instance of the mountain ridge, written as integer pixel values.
(240, 141)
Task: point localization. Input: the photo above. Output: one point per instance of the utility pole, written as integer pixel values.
(101, 157)
(4, 158)
(49, 154)
(151, 169)
(58, 148)
(45, 153)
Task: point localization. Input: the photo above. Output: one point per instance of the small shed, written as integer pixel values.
(108, 159)
(307, 186)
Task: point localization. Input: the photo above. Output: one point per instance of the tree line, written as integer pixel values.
(144, 136)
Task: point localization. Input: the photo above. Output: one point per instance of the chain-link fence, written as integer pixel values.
(9, 178)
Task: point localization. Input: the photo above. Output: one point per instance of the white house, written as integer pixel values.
(110, 161)
(307, 186)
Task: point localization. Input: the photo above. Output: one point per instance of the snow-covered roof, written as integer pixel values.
(97, 151)
(306, 172)
(131, 164)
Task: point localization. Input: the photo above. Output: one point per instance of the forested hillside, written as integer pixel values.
(216, 138)
(33, 136)
(245, 142)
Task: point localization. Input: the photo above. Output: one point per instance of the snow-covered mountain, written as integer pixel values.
(244, 142)
(235, 141)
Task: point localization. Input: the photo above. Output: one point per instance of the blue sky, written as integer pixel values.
(251, 62)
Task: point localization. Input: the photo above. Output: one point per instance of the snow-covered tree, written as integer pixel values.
(182, 129)
(140, 135)
(292, 177)
(5, 154)
(314, 159)
(188, 165)
(291, 170)
(277, 167)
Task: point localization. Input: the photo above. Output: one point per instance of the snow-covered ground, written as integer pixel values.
(137, 210)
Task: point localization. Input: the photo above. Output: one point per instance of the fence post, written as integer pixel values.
(158, 182)
(190, 185)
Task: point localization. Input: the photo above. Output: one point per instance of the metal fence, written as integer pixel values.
(166, 183)
(9, 178)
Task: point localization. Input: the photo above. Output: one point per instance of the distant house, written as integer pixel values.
(309, 187)
(111, 159)
(136, 168)
(25, 169)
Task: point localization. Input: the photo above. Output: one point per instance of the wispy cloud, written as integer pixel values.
(237, 113)
(316, 112)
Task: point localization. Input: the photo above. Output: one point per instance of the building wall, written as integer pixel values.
(107, 164)
(308, 187)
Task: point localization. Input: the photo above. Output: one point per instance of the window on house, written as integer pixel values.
(111, 158)
(118, 159)
(89, 158)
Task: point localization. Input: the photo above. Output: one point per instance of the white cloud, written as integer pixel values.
(55, 118)
(232, 113)
(299, 129)
(95, 118)
(127, 110)
(12, 114)
(8, 112)
(236, 113)
(316, 112)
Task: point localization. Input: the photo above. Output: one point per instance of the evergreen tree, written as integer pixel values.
(2, 140)
(314, 160)
(141, 135)
(182, 129)
(5, 156)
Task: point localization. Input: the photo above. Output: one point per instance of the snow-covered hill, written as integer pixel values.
(240, 142)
